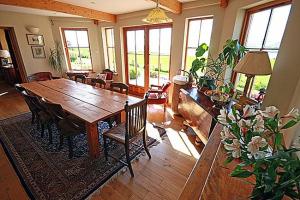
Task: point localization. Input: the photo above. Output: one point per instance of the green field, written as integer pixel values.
(82, 62)
(164, 64)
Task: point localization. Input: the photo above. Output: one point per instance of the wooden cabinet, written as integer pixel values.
(198, 111)
(9, 74)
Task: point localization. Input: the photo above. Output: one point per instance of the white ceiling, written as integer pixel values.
(116, 6)
(109, 6)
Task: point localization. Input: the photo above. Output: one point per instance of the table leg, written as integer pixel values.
(93, 139)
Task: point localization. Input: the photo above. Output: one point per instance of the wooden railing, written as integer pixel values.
(198, 177)
(210, 178)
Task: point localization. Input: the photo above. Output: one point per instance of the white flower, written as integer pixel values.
(256, 143)
(259, 126)
(248, 111)
(222, 118)
(226, 134)
(235, 148)
(293, 114)
(269, 112)
(245, 123)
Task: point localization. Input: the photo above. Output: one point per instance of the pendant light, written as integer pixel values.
(157, 16)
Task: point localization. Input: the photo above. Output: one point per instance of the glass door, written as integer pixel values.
(135, 59)
(159, 53)
(147, 56)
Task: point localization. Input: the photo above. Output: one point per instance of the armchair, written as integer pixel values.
(159, 94)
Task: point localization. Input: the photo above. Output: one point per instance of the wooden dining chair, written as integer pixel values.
(68, 125)
(20, 88)
(39, 112)
(99, 81)
(40, 76)
(127, 133)
(80, 78)
(119, 87)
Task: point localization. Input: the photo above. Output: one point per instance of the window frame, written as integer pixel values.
(114, 68)
(245, 27)
(67, 49)
(187, 35)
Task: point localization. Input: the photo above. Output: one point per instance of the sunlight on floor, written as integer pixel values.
(153, 132)
(170, 111)
(180, 142)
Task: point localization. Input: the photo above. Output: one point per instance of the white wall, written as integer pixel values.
(19, 22)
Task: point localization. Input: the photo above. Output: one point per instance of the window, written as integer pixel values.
(199, 31)
(110, 49)
(77, 48)
(264, 29)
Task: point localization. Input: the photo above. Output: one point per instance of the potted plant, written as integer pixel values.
(56, 58)
(213, 69)
(256, 139)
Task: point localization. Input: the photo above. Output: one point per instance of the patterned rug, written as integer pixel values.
(46, 171)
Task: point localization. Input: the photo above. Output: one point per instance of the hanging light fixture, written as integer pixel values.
(157, 16)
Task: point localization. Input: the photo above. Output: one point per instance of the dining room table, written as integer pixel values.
(88, 103)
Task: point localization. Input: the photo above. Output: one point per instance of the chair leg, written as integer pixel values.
(61, 141)
(128, 159)
(70, 143)
(43, 129)
(105, 148)
(32, 118)
(165, 105)
(145, 145)
(50, 133)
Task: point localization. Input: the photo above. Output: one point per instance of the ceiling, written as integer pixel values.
(109, 6)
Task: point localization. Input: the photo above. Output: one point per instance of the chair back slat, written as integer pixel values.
(119, 87)
(55, 110)
(80, 77)
(33, 102)
(136, 116)
(19, 88)
(101, 82)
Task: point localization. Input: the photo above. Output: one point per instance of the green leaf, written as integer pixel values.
(278, 139)
(289, 124)
(240, 173)
(200, 51)
(228, 160)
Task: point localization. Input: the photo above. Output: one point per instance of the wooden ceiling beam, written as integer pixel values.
(173, 6)
(63, 8)
(224, 3)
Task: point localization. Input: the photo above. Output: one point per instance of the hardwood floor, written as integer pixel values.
(162, 177)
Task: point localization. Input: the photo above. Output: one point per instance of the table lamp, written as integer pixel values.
(253, 63)
(4, 55)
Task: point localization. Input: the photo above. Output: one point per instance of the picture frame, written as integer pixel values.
(34, 39)
(38, 52)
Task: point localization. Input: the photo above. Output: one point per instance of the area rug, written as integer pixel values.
(46, 171)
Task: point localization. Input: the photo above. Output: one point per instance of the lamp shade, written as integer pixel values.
(254, 63)
(157, 16)
(4, 54)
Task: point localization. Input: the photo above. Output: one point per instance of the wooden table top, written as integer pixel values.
(88, 103)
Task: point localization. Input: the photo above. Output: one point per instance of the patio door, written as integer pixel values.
(147, 56)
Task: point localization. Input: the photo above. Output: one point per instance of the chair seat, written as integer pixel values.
(155, 98)
(116, 133)
(69, 129)
(44, 117)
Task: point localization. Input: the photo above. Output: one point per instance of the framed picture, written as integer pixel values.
(38, 52)
(34, 39)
